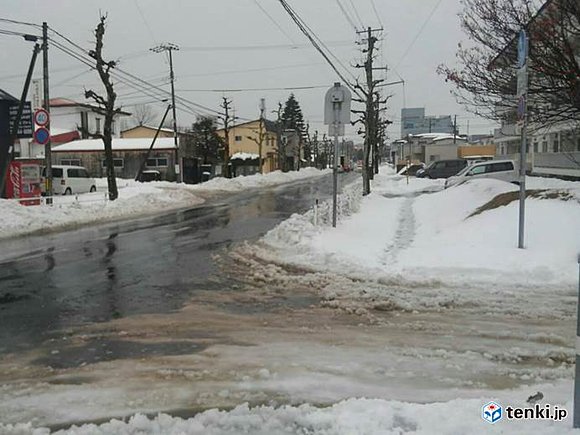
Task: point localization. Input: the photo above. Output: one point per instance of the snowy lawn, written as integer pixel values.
(135, 199)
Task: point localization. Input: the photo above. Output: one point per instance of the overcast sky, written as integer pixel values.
(234, 44)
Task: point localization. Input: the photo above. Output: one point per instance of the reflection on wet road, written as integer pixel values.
(150, 265)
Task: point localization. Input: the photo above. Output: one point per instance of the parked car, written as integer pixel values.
(69, 180)
(412, 169)
(443, 168)
(150, 175)
(505, 170)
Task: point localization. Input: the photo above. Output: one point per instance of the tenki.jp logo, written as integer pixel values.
(491, 412)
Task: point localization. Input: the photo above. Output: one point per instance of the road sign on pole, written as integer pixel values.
(336, 114)
(522, 92)
(41, 136)
(41, 118)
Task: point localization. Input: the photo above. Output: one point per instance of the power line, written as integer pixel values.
(309, 34)
(408, 50)
(259, 47)
(356, 14)
(6, 20)
(374, 6)
(346, 15)
(274, 21)
(288, 88)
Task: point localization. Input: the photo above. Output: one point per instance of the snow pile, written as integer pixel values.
(135, 199)
(437, 237)
(353, 416)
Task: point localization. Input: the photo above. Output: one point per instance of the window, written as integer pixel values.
(98, 125)
(117, 163)
(535, 147)
(556, 144)
(499, 167)
(70, 162)
(238, 138)
(477, 170)
(56, 172)
(157, 162)
(544, 146)
(73, 173)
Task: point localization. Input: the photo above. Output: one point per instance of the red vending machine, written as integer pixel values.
(23, 181)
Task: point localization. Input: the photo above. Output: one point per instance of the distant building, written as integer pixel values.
(414, 121)
(428, 147)
(243, 137)
(128, 156)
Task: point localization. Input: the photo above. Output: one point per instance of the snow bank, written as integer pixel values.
(403, 235)
(135, 199)
(353, 416)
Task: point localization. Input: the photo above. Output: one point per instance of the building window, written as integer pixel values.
(157, 162)
(117, 163)
(545, 146)
(535, 146)
(238, 138)
(98, 125)
(70, 162)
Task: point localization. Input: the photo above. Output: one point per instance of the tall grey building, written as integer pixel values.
(414, 121)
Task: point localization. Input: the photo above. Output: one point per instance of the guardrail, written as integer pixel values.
(86, 198)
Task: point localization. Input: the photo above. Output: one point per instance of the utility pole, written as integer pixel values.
(159, 49)
(369, 115)
(281, 146)
(47, 147)
(260, 140)
(226, 120)
(455, 130)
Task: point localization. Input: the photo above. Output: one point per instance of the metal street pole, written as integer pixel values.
(337, 109)
(576, 423)
(46, 105)
(522, 219)
(522, 91)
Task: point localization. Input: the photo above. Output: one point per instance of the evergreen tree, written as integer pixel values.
(207, 142)
(292, 115)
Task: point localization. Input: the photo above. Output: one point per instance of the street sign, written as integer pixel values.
(341, 96)
(522, 48)
(41, 136)
(41, 118)
(25, 128)
(522, 88)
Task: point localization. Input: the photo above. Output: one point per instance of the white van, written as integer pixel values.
(505, 170)
(69, 180)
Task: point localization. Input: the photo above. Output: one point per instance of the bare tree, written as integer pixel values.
(106, 104)
(143, 114)
(486, 79)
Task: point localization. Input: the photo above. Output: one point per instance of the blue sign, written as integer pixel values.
(41, 136)
(522, 48)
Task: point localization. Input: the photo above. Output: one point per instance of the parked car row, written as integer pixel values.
(497, 169)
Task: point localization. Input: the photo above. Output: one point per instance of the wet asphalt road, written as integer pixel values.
(149, 265)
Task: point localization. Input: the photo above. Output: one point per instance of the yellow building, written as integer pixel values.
(145, 131)
(244, 139)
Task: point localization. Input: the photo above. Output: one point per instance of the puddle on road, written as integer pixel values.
(100, 350)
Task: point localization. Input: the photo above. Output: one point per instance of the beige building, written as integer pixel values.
(145, 131)
(244, 139)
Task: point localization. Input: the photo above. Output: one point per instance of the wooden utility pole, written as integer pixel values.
(226, 120)
(46, 105)
(281, 148)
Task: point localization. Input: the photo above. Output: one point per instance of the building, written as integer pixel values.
(428, 147)
(244, 138)
(128, 156)
(146, 131)
(414, 121)
(552, 150)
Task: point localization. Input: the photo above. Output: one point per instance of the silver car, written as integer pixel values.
(505, 170)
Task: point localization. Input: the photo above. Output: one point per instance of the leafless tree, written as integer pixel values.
(486, 77)
(143, 114)
(106, 104)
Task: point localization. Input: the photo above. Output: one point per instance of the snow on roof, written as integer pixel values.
(118, 144)
(244, 156)
(437, 136)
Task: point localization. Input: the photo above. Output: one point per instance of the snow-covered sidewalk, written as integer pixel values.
(422, 234)
(135, 200)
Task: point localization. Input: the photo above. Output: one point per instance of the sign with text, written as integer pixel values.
(25, 128)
